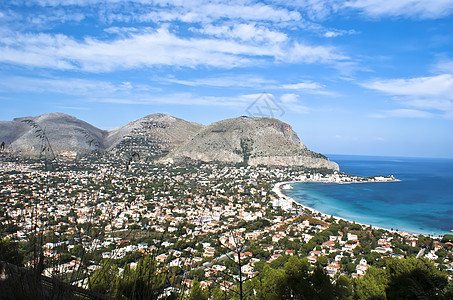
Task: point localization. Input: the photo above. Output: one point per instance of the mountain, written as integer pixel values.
(67, 134)
(248, 140)
(252, 141)
(153, 136)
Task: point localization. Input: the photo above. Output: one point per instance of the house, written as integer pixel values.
(333, 268)
(312, 259)
(161, 258)
(362, 267)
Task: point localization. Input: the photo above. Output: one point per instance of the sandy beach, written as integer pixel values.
(287, 202)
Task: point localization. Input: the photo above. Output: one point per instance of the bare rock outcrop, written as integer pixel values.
(251, 141)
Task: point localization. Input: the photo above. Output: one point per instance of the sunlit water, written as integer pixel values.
(421, 203)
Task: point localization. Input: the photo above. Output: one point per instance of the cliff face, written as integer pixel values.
(252, 141)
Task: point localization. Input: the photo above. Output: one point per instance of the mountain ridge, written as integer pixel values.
(164, 138)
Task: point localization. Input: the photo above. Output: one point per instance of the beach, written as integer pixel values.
(286, 203)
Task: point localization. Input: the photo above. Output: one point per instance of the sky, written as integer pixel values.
(365, 77)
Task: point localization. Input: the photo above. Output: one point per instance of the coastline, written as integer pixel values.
(286, 202)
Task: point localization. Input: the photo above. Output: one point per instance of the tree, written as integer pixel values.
(143, 282)
(409, 278)
(320, 282)
(237, 246)
(104, 280)
(414, 278)
(343, 289)
(372, 285)
(9, 252)
(196, 293)
(297, 280)
(270, 285)
(297, 276)
(322, 261)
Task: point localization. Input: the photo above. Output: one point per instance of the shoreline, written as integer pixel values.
(286, 202)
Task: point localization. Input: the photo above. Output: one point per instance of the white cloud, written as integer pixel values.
(434, 86)
(69, 86)
(249, 81)
(203, 11)
(444, 66)
(403, 113)
(148, 49)
(422, 97)
(322, 9)
(253, 81)
(331, 34)
(311, 54)
(408, 8)
(292, 102)
(303, 86)
(240, 101)
(245, 32)
(119, 93)
(309, 87)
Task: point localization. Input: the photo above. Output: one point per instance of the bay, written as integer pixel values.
(422, 202)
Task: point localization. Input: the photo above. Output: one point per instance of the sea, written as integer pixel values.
(421, 203)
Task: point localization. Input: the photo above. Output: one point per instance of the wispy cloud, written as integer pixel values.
(407, 8)
(241, 81)
(245, 32)
(403, 113)
(434, 86)
(421, 96)
(293, 103)
(424, 9)
(255, 82)
(66, 86)
(118, 93)
(309, 87)
(444, 65)
(239, 101)
(148, 49)
(186, 11)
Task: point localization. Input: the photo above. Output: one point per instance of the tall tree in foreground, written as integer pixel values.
(297, 280)
(142, 282)
(409, 278)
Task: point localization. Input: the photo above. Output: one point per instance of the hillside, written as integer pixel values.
(153, 136)
(252, 141)
(67, 135)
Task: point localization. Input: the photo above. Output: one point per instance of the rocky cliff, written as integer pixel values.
(251, 141)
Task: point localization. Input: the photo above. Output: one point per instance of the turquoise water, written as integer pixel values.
(421, 203)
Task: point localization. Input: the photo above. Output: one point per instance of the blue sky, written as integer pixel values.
(366, 77)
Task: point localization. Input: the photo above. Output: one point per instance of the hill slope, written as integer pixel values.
(153, 136)
(65, 133)
(252, 141)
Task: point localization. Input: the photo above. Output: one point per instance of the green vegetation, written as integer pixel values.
(298, 280)
(141, 282)
(408, 278)
(9, 252)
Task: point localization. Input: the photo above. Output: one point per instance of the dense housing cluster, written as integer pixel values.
(211, 225)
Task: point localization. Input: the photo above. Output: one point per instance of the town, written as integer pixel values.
(211, 225)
